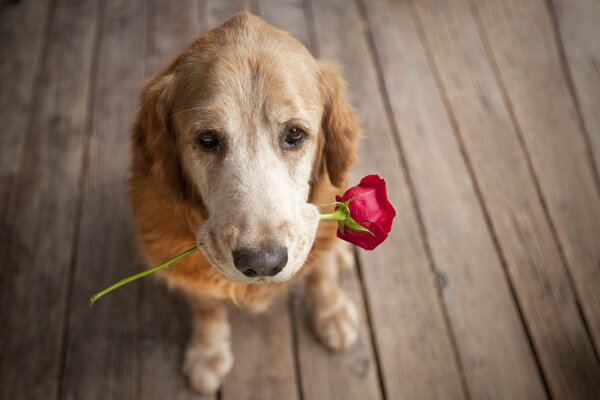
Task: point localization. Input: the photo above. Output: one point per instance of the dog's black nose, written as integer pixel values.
(263, 261)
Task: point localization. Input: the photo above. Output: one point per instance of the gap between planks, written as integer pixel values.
(477, 187)
(407, 176)
(80, 187)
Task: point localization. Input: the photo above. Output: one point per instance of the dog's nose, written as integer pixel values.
(263, 261)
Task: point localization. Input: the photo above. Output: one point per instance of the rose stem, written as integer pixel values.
(125, 281)
(336, 215)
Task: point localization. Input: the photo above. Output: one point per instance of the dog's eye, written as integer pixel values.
(208, 140)
(294, 136)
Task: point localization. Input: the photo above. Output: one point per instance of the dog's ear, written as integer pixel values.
(153, 136)
(339, 124)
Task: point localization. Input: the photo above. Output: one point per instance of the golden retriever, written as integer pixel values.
(234, 144)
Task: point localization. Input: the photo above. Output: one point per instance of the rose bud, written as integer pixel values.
(364, 213)
(364, 217)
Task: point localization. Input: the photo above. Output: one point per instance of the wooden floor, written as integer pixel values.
(482, 115)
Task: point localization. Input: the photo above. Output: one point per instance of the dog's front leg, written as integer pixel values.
(208, 357)
(334, 315)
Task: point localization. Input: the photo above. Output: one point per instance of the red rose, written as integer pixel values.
(364, 217)
(368, 213)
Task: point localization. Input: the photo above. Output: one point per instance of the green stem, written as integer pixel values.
(337, 215)
(340, 214)
(335, 203)
(132, 278)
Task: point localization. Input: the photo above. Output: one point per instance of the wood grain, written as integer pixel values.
(523, 45)
(482, 311)
(413, 341)
(166, 320)
(579, 27)
(495, 165)
(172, 26)
(22, 29)
(264, 356)
(214, 12)
(165, 327)
(350, 374)
(289, 15)
(507, 185)
(102, 354)
(40, 231)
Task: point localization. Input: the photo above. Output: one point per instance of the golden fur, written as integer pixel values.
(169, 210)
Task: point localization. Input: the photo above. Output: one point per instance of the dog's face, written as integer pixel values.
(245, 114)
(248, 141)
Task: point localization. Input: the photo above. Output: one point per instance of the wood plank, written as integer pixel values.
(494, 348)
(22, 29)
(164, 331)
(351, 374)
(41, 216)
(264, 357)
(414, 344)
(172, 27)
(214, 12)
(102, 354)
(264, 366)
(288, 15)
(579, 27)
(521, 40)
(500, 165)
(166, 321)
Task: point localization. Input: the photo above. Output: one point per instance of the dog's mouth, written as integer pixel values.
(277, 261)
(226, 267)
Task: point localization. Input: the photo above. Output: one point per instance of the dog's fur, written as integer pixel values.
(244, 80)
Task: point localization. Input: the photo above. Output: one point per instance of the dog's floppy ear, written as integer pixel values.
(153, 136)
(339, 124)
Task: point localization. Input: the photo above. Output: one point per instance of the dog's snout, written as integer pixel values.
(262, 261)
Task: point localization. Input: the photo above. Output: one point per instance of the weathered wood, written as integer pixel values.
(263, 353)
(22, 28)
(518, 127)
(173, 25)
(288, 15)
(523, 44)
(41, 215)
(351, 374)
(164, 330)
(413, 341)
(214, 12)
(579, 28)
(166, 321)
(507, 185)
(489, 333)
(102, 353)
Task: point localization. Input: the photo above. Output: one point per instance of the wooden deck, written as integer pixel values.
(482, 115)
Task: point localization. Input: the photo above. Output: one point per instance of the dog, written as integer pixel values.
(234, 144)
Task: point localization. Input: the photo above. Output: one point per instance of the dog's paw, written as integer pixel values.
(207, 367)
(337, 326)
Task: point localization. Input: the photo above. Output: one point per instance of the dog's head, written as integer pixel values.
(242, 125)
